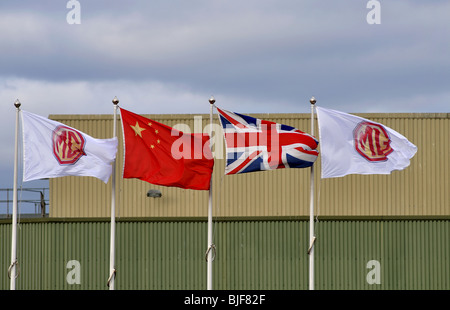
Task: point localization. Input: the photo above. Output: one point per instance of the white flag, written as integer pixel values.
(52, 149)
(353, 145)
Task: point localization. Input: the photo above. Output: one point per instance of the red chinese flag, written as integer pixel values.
(161, 155)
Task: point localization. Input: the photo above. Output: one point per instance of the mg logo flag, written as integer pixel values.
(372, 141)
(354, 145)
(68, 145)
(52, 149)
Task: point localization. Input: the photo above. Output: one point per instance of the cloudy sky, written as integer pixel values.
(252, 55)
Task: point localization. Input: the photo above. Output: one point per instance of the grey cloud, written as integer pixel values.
(253, 55)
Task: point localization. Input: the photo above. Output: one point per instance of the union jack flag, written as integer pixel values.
(256, 145)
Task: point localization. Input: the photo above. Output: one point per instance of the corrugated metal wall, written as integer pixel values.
(401, 221)
(251, 254)
(421, 189)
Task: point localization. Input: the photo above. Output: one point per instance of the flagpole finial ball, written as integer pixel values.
(17, 103)
(212, 100)
(312, 100)
(115, 101)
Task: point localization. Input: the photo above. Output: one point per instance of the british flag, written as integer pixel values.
(256, 145)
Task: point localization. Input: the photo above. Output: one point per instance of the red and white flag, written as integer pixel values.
(52, 149)
(162, 155)
(355, 145)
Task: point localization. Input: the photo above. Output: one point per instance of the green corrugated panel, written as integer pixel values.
(261, 255)
(251, 254)
(44, 249)
(160, 255)
(413, 254)
(5, 254)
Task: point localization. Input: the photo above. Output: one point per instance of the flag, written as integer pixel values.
(354, 145)
(257, 145)
(52, 149)
(161, 155)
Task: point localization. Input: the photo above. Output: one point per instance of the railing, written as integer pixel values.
(30, 201)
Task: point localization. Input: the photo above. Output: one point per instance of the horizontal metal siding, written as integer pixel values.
(257, 254)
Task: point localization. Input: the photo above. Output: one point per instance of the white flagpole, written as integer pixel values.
(12, 267)
(312, 238)
(112, 268)
(209, 254)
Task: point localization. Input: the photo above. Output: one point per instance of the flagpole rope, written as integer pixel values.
(318, 208)
(20, 164)
(218, 209)
(215, 222)
(18, 205)
(117, 170)
(213, 248)
(16, 262)
(111, 276)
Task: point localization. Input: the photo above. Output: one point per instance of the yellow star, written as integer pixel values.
(150, 124)
(159, 141)
(156, 131)
(152, 146)
(137, 129)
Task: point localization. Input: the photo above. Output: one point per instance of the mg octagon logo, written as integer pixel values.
(68, 145)
(372, 141)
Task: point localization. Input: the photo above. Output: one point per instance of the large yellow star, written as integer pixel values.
(137, 129)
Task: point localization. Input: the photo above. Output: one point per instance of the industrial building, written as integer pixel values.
(388, 232)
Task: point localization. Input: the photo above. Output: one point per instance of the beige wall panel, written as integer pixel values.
(421, 189)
